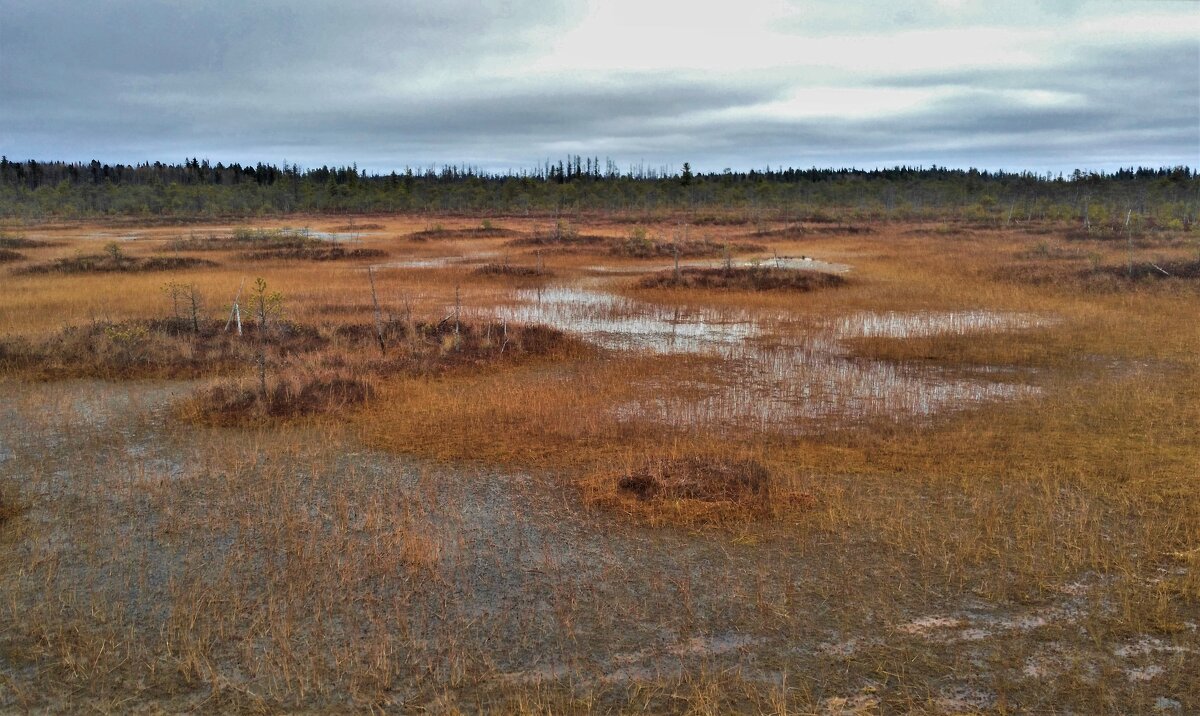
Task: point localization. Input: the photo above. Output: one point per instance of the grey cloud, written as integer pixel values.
(322, 82)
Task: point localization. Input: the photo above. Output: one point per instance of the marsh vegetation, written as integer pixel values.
(930, 466)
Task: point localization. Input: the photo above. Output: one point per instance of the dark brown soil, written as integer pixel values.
(743, 279)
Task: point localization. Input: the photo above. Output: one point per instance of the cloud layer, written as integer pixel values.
(1042, 86)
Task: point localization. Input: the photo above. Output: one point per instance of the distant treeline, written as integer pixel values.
(197, 189)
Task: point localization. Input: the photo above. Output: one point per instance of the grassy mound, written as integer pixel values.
(505, 269)
(562, 239)
(796, 231)
(350, 360)
(694, 478)
(1061, 269)
(743, 279)
(175, 348)
(10, 505)
(1147, 271)
(167, 348)
(479, 232)
(696, 489)
(8, 256)
(640, 248)
(268, 244)
(246, 239)
(359, 227)
(322, 252)
(637, 245)
(116, 263)
(240, 404)
(8, 241)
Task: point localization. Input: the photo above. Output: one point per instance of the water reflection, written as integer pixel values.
(776, 371)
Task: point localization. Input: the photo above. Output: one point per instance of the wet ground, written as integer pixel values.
(293, 567)
(781, 370)
(242, 546)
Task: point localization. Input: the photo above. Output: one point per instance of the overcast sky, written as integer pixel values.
(1045, 86)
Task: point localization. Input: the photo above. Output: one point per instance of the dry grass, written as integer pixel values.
(474, 524)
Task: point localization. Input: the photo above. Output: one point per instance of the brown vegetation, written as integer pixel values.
(797, 231)
(511, 270)
(1066, 268)
(693, 489)
(637, 245)
(750, 278)
(244, 404)
(8, 241)
(159, 348)
(8, 256)
(117, 263)
(359, 227)
(314, 253)
(478, 515)
(562, 238)
(10, 505)
(477, 232)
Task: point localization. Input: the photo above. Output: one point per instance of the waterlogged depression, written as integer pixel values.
(502, 578)
(778, 369)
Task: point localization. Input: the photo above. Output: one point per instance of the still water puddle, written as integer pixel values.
(436, 262)
(796, 263)
(331, 236)
(777, 370)
(612, 321)
(892, 324)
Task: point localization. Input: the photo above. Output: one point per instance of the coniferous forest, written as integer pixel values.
(1168, 197)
